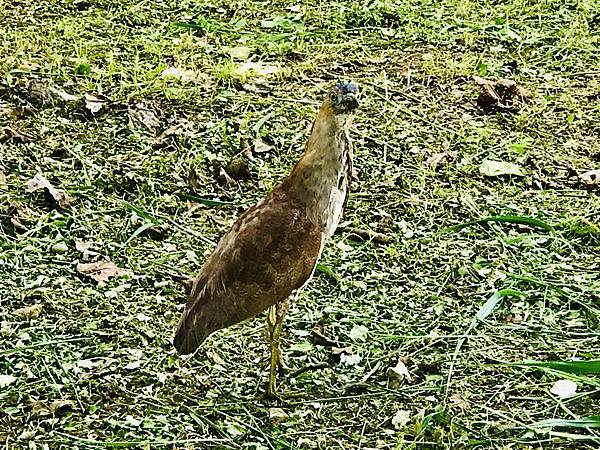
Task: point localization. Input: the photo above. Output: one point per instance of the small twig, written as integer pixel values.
(319, 338)
(366, 235)
(309, 368)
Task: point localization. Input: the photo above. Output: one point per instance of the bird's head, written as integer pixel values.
(343, 98)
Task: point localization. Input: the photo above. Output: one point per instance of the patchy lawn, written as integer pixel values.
(155, 124)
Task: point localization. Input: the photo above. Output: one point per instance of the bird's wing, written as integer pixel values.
(267, 254)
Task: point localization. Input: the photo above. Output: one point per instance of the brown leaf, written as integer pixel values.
(338, 352)
(19, 215)
(62, 199)
(85, 247)
(39, 408)
(439, 159)
(145, 117)
(101, 270)
(318, 337)
(500, 95)
(29, 312)
(429, 367)
(277, 416)
(215, 358)
(457, 401)
(59, 405)
(18, 136)
(94, 103)
(398, 374)
(591, 177)
(224, 179)
(189, 76)
(2, 179)
(261, 146)
(514, 318)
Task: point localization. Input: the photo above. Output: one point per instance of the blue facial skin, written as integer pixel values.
(343, 98)
(347, 88)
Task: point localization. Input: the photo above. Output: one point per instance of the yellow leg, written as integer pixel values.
(275, 318)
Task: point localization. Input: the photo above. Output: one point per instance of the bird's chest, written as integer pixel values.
(334, 208)
(336, 193)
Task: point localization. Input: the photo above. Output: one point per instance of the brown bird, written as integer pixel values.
(271, 252)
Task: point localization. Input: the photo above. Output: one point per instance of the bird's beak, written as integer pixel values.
(350, 101)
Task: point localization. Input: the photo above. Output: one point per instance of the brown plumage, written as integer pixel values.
(272, 249)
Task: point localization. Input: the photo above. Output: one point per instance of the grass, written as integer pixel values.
(149, 200)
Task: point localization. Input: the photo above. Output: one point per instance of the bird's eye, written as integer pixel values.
(332, 96)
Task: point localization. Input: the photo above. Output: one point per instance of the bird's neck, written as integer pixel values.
(322, 176)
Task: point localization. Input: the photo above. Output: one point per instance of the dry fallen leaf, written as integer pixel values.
(215, 358)
(258, 69)
(142, 116)
(277, 416)
(239, 52)
(514, 318)
(397, 374)
(564, 388)
(85, 247)
(94, 103)
(26, 435)
(261, 146)
(591, 177)
(41, 408)
(491, 168)
(5, 380)
(341, 354)
(101, 270)
(58, 405)
(500, 95)
(28, 312)
(188, 76)
(358, 332)
(177, 72)
(439, 159)
(2, 179)
(401, 418)
(458, 402)
(61, 198)
(19, 215)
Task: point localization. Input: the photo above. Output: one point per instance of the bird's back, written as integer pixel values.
(269, 252)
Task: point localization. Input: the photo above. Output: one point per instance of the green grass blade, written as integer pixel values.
(591, 366)
(485, 310)
(325, 269)
(582, 422)
(523, 220)
(491, 304)
(141, 213)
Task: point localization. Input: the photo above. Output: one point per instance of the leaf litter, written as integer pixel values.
(29, 312)
(59, 196)
(101, 271)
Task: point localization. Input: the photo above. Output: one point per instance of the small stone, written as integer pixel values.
(277, 416)
(60, 247)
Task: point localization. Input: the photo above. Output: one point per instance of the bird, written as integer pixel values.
(270, 253)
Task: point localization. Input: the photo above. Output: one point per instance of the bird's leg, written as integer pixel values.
(275, 322)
